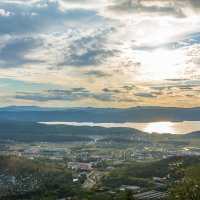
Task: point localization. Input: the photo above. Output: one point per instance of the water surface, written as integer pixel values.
(158, 127)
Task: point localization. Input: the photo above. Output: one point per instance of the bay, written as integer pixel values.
(158, 127)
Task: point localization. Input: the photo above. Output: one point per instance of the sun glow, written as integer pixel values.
(159, 127)
(162, 64)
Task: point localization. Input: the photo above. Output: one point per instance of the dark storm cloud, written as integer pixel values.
(13, 53)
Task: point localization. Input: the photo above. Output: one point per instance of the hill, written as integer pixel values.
(195, 134)
(142, 173)
(136, 114)
(36, 132)
(28, 108)
(30, 179)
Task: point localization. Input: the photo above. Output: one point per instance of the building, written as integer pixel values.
(129, 187)
(56, 150)
(152, 194)
(85, 166)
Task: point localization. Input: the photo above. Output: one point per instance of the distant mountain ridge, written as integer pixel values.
(101, 115)
(28, 108)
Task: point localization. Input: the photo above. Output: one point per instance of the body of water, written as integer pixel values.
(158, 127)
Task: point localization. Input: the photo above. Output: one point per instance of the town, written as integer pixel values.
(92, 162)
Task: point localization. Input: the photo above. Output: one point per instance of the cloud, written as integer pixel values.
(129, 88)
(13, 53)
(172, 8)
(39, 17)
(71, 49)
(4, 13)
(182, 87)
(194, 3)
(89, 4)
(96, 73)
(129, 100)
(111, 90)
(73, 94)
(176, 79)
(185, 41)
(144, 7)
(146, 95)
(112, 53)
(13, 85)
(89, 50)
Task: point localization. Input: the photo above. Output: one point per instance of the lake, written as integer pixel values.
(158, 127)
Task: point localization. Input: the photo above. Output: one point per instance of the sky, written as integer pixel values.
(100, 53)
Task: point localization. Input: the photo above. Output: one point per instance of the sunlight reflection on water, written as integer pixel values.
(158, 127)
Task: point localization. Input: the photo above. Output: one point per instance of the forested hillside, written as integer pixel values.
(26, 179)
(36, 132)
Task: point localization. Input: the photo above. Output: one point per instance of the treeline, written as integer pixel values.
(123, 140)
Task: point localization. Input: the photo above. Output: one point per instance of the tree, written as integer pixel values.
(129, 195)
(188, 188)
